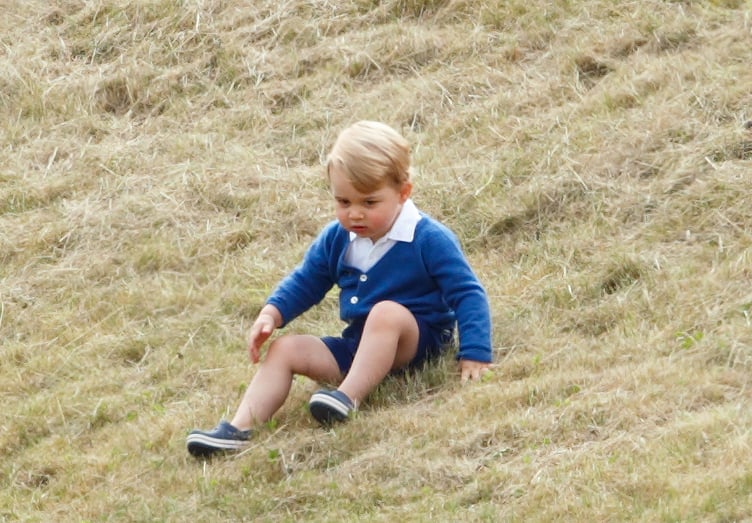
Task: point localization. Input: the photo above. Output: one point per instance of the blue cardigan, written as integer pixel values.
(430, 276)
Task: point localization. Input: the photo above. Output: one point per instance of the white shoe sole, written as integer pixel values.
(203, 444)
(325, 408)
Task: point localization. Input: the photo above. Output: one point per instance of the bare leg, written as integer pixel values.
(268, 390)
(389, 342)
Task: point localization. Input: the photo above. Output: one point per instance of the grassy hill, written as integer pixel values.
(161, 169)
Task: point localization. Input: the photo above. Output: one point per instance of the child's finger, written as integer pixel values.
(254, 352)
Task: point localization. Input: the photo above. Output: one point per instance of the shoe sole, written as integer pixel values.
(200, 445)
(326, 409)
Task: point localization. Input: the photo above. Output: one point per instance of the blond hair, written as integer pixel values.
(371, 154)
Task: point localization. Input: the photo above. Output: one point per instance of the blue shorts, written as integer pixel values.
(431, 343)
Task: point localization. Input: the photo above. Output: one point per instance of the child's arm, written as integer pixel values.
(268, 319)
(463, 292)
(309, 282)
(469, 301)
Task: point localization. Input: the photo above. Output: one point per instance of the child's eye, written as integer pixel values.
(371, 203)
(343, 203)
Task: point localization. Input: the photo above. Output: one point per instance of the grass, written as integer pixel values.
(161, 169)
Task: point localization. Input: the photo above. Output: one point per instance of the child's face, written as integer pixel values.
(371, 214)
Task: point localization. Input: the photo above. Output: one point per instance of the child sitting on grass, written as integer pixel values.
(404, 285)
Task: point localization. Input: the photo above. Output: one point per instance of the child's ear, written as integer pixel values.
(406, 191)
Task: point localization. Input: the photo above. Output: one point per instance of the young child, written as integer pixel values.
(404, 285)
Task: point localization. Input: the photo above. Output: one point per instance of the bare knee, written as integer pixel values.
(303, 354)
(389, 313)
(281, 351)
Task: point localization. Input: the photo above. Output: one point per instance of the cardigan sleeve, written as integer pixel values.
(462, 291)
(309, 282)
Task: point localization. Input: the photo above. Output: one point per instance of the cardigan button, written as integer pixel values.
(363, 277)
(354, 300)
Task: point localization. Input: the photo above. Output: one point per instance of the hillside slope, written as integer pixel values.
(160, 170)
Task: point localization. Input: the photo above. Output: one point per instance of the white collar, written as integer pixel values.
(403, 228)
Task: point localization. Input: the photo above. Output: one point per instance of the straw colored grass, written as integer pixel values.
(161, 169)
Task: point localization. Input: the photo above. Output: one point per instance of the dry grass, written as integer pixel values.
(160, 170)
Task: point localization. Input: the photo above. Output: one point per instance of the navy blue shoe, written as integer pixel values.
(328, 406)
(222, 438)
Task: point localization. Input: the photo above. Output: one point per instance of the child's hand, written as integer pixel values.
(268, 320)
(472, 370)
